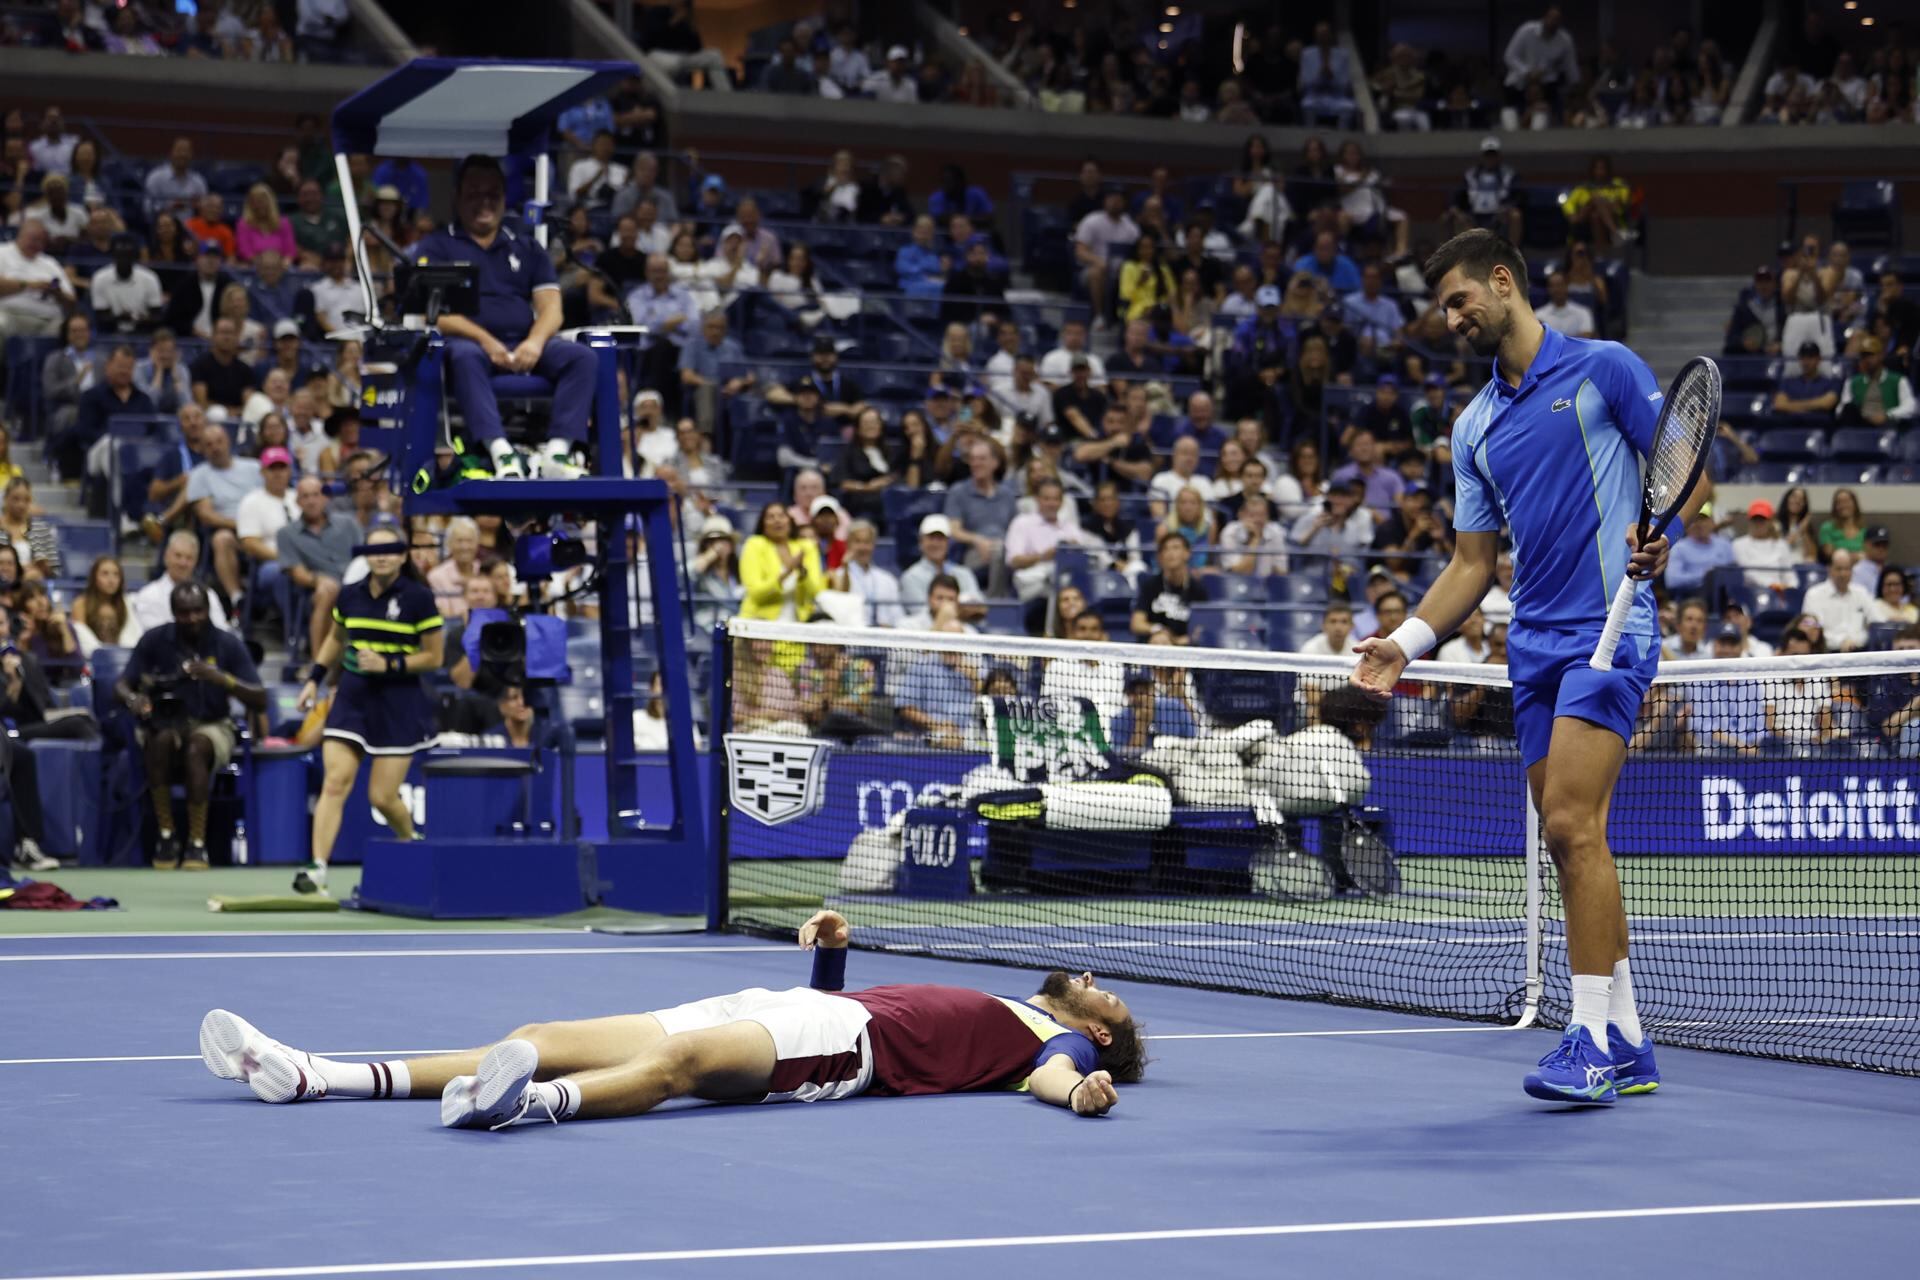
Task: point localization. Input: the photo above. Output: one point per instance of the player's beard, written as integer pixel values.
(1486, 338)
(1067, 998)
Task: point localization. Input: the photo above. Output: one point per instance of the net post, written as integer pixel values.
(1534, 906)
(719, 724)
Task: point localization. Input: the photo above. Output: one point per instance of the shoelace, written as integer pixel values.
(527, 1099)
(1561, 1055)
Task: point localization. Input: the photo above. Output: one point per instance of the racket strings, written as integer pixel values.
(1688, 422)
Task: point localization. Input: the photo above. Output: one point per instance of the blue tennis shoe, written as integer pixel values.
(1633, 1069)
(1577, 1070)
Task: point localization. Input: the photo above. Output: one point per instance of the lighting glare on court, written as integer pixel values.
(1851, 5)
(1163, 44)
(1866, 22)
(1166, 28)
(1173, 11)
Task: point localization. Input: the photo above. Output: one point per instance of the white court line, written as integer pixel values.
(383, 955)
(96, 935)
(997, 1242)
(422, 1053)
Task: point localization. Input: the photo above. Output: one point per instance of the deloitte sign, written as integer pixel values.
(1850, 808)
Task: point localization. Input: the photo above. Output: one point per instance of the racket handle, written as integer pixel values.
(1616, 623)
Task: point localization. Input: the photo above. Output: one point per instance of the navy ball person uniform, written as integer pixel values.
(1557, 461)
(384, 715)
(510, 271)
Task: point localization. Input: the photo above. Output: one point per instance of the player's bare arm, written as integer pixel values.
(1057, 1081)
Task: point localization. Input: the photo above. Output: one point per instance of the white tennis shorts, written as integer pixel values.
(819, 1040)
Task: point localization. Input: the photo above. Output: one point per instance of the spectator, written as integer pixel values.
(780, 570)
(1698, 554)
(1302, 487)
(1842, 606)
(729, 271)
(918, 267)
(1874, 396)
(1810, 390)
(215, 490)
(262, 227)
(35, 293)
(1900, 314)
(153, 603)
(1364, 211)
(885, 199)
(220, 376)
(1381, 484)
(1486, 198)
(1183, 472)
(894, 82)
(236, 305)
(676, 47)
(1689, 641)
(263, 513)
(209, 225)
(1379, 324)
(1146, 281)
(126, 297)
(868, 467)
(666, 308)
(31, 536)
(1252, 544)
(1078, 407)
(1412, 530)
(175, 187)
(1339, 528)
(936, 693)
(935, 543)
(1893, 602)
(314, 552)
(1758, 318)
(1325, 85)
(826, 518)
(112, 393)
(1561, 313)
(1403, 85)
(102, 614)
(1033, 541)
(64, 220)
(1868, 566)
(860, 575)
(975, 288)
(1194, 521)
(1540, 53)
(980, 509)
(200, 741)
(1094, 239)
(1056, 367)
(1469, 643)
(1386, 419)
(1340, 272)
(161, 376)
(1597, 209)
(1845, 528)
(713, 369)
(1767, 557)
(449, 578)
(194, 305)
(66, 374)
(1166, 599)
(847, 64)
(315, 225)
(1731, 716)
(1894, 704)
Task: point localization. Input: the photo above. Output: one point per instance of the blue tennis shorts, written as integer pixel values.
(1552, 678)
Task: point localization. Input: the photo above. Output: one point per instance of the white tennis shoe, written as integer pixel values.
(235, 1049)
(496, 1095)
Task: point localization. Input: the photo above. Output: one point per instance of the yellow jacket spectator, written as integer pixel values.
(1146, 281)
(780, 571)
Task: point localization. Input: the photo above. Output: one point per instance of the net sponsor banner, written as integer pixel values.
(1707, 806)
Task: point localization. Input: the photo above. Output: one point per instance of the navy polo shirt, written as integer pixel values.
(510, 270)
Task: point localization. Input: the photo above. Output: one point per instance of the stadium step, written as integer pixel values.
(1674, 318)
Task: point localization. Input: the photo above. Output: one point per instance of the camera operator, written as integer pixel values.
(179, 683)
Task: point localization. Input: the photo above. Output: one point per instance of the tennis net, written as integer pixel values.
(1243, 821)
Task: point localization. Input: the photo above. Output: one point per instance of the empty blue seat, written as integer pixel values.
(1844, 473)
(1417, 722)
(1231, 621)
(1808, 574)
(81, 541)
(1234, 587)
(1105, 586)
(1213, 636)
(1791, 444)
(1881, 634)
(1769, 473)
(1862, 444)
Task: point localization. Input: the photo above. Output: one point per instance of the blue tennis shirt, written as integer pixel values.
(1557, 461)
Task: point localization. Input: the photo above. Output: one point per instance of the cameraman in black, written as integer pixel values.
(178, 683)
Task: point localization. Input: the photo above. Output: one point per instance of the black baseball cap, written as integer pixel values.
(822, 343)
(1809, 348)
(1729, 633)
(1878, 533)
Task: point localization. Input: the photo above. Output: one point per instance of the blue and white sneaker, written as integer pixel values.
(1577, 1070)
(1633, 1069)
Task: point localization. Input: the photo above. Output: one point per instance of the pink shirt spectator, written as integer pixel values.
(449, 590)
(1032, 533)
(249, 242)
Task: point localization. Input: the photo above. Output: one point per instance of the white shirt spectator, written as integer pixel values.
(332, 299)
(1768, 561)
(321, 19)
(881, 591)
(1166, 485)
(1569, 318)
(138, 297)
(848, 69)
(1270, 548)
(1101, 234)
(263, 516)
(657, 446)
(1034, 400)
(1532, 49)
(1460, 649)
(1779, 84)
(65, 226)
(35, 312)
(53, 155)
(153, 605)
(882, 87)
(601, 193)
(1844, 616)
(168, 190)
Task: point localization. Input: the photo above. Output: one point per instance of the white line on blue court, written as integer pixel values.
(395, 954)
(422, 1053)
(997, 1242)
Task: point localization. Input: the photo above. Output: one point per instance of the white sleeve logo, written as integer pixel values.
(1654, 395)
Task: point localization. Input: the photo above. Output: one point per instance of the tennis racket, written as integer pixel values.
(1681, 440)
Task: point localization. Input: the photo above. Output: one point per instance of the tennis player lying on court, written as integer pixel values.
(1550, 448)
(1067, 1045)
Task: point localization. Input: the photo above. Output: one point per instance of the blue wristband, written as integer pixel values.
(829, 968)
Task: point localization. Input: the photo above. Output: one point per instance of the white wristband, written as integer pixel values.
(1414, 638)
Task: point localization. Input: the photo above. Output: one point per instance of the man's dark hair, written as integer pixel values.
(119, 349)
(477, 164)
(1478, 251)
(1389, 595)
(946, 580)
(1339, 606)
(1125, 1057)
(1350, 711)
(1909, 632)
(1795, 633)
(187, 595)
(1694, 602)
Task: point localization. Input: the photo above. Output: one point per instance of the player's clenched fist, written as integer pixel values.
(1094, 1095)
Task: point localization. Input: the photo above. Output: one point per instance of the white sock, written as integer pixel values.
(500, 449)
(1591, 992)
(364, 1079)
(561, 449)
(317, 873)
(1621, 1011)
(561, 1097)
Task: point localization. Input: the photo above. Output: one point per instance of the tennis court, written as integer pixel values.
(1270, 1135)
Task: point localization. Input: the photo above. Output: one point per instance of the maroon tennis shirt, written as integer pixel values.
(930, 1039)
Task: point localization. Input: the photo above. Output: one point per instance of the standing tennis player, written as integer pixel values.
(1550, 449)
(386, 633)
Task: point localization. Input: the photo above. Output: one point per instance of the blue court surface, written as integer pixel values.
(1271, 1138)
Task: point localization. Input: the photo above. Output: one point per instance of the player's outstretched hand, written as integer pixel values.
(1649, 559)
(826, 929)
(1094, 1095)
(1381, 663)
